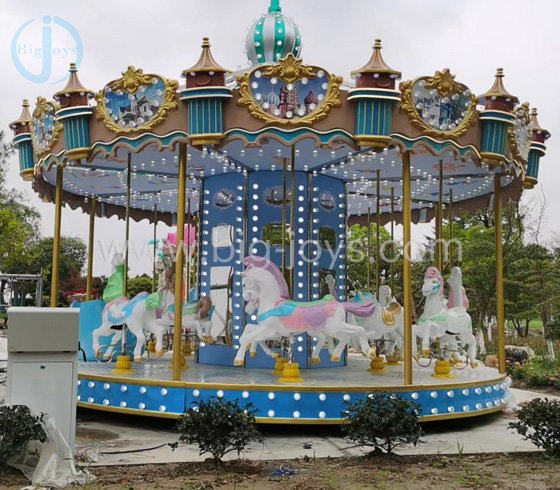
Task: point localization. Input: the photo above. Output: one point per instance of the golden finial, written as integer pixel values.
(206, 62)
(377, 64)
(498, 89)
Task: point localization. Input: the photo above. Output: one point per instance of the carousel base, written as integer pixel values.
(319, 399)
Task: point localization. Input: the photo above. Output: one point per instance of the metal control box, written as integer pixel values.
(43, 363)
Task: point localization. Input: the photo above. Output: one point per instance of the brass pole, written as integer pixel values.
(293, 224)
(450, 218)
(155, 250)
(56, 238)
(407, 273)
(127, 223)
(178, 326)
(368, 239)
(392, 238)
(89, 279)
(284, 178)
(378, 236)
(499, 275)
(439, 221)
(189, 257)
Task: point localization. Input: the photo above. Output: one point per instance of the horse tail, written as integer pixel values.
(361, 310)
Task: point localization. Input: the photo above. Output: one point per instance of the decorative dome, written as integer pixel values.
(272, 98)
(311, 99)
(272, 37)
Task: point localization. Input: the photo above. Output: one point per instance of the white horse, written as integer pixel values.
(386, 322)
(444, 323)
(264, 285)
(138, 313)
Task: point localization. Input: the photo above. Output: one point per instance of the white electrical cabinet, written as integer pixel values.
(43, 363)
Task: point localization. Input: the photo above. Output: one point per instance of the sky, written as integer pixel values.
(472, 38)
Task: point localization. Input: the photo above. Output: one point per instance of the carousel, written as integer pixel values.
(262, 171)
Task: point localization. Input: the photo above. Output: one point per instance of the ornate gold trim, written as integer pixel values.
(444, 82)
(514, 148)
(130, 82)
(290, 70)
(43, 106)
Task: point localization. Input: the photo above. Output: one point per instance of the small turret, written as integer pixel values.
(74, 113)
(536, 151)
(22, 141)
(205, 93)
(497, 119)
(375, 97)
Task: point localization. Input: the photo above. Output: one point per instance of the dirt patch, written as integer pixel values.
(521, 384)
(95, 434)
(504, 471)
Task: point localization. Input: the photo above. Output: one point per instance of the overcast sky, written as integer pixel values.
(472, 38)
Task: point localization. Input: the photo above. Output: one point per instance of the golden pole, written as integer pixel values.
(189, 257)
(499, 275)
(450, 218)
(178, 326)
(56, 239)
(89, 279)
(378, 236)
(127, 223)
(368, 239)
(407, 273)
(293, 224)
(392, 237)
(284, 205)
(155, 250)
(439, 221)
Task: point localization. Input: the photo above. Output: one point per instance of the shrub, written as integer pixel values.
(539, 422)
(538, 372)
(516, 355)
(383, 420)
(218, 427)
(18, 427)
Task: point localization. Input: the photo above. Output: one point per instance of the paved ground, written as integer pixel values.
(137, 440)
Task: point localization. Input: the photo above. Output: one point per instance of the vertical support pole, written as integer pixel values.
(407, 272)
(392, 239)
(89, 279)
(368, 244)
(178, 326)
(439, 221)
(378, 236)
(189, 249)
(56, 239)
(293, 224)
(127, 223)
(155, 250)
(284, 205)
(499, 274)
(450, 218)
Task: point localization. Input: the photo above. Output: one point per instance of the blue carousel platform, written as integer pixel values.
(319, 399)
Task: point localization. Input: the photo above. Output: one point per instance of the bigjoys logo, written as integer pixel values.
(42, 53)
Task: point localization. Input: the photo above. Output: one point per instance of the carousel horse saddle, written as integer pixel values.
(388, 313)
(299, 315)
(457, 312)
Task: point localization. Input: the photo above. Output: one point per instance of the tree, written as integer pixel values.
(139, 284)
(357, 258)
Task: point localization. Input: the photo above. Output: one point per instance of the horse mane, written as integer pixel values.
(433, 273)
(253, 262)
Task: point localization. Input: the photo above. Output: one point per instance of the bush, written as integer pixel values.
(516, 355)
(538, 372)
(539, 422)
(218, 427)
(383, 420)
(18, 427)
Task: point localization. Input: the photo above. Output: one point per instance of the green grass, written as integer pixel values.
(534, 324)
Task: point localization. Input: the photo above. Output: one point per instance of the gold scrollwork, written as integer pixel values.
(289, 70)
(445, 84)
(130, 82)
(45, 108)
(522, 114)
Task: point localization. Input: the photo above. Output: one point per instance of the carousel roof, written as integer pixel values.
(269, 113)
